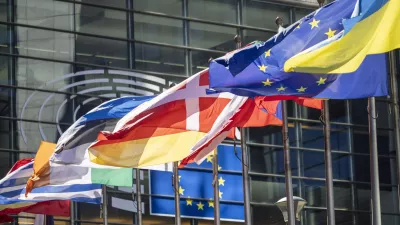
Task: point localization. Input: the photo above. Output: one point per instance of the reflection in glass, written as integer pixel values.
(271, 135)
(44, 44)
(170, 7)
(270, 189)
(100, 21)
(45, 13)
(212, 36)
(158, 29)
(267, 215)
(270, 160)
(158, 59)
(313, 136)
(263, 14)
(223, 11)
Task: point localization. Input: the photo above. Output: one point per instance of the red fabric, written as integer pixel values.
(6, 219)
(20, 163)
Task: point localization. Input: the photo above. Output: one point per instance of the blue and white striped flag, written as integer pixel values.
(12, 189)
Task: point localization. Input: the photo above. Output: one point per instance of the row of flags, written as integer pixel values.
(335, 52)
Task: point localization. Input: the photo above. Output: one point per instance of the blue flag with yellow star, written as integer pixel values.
(196, 189)
(258, 69)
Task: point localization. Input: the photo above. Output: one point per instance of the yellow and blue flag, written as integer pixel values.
(258, 69)
(196, 190)
(374, 28)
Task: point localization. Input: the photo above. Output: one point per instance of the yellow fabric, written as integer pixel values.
(41, 166)
(378, 33)
(146, 152)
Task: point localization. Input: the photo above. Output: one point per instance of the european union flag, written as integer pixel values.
(257, 70)
(196, 190)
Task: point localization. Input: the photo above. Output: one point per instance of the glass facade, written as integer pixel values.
(60, 58)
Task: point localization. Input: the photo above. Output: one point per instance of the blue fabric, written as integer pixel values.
(240, 73)
(196, 180)
(116, 108)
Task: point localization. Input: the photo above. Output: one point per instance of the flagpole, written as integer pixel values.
(396, 115)
(286, 154)
(216, 189)
(72, 213)
(104, 204)
(177, 197)
(138, 198)
(245, 168)
(328, 157)
(374, 167)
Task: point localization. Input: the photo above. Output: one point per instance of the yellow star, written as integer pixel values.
(179, 178)
(220, 194)
(200, 206)
(267, 82)
(301, 89)
(268, 53)
(221, 181)
(263, 68)
(281, 88)
(209, 158)
(314, 23)
(321, 81)
(189, 201)
(219, 167)
(330, 33)
(210, 204)
(181, 190)
(298, 26)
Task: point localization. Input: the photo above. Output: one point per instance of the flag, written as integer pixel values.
(68, 161)
(41, 219)
(257, 69)
(196, 189)
(165, 128)
(373, 28)
(55, 208)
(50, 200)
(251, 113)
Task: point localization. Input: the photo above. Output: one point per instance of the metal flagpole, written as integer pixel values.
(328, 165)
(288, 171)
(72, 214)
(245, 168)
(216, 189)
(177, 197)
(104, 205)
(396, 115)
(375, 192)
(138, 198)
(328, 157)
(286, 153)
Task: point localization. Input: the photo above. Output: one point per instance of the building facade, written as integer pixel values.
(60, 58)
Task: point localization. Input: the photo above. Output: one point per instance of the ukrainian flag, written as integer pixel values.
(373, 29)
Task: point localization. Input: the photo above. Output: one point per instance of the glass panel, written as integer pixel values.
(263, 14)
(315, 194)
(361, 145)
(44, 44)
(389, 199)
(301, 12)
(271, 135)
(363, 218)
(318, 217)
(216, 10)
(270, 189)
(5, 164)
(3, 10)
(255, 35)
(159, 59)
(45, 13)
(42, 74)
(96, 20)
(200, 60)
(314, 164)
(4, 40)
(390, 219)
(170, 7)
(267, 215)
(4, 76)
(101, 51)
(359, 113)
(113, 3)
(212, 36)
(31, 134)
(363, 196)
(158, 29)
(270, 160)
(313, 136)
